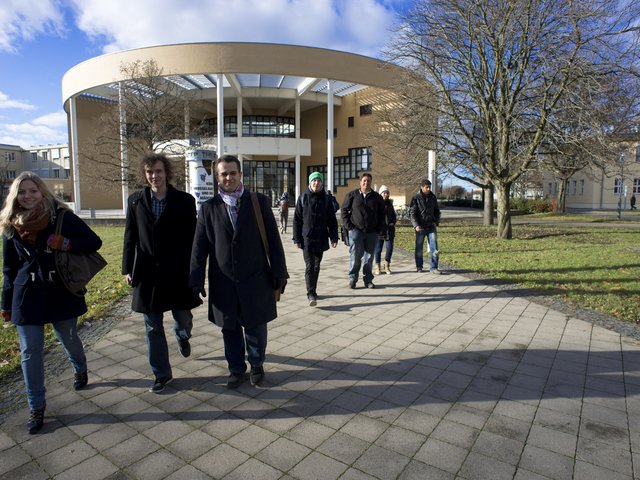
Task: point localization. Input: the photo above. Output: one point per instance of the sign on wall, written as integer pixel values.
(200, 163)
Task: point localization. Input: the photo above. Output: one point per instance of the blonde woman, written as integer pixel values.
(32, 294)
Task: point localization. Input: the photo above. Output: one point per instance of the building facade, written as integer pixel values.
(284, 110)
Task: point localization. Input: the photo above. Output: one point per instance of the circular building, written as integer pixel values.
(284, 110)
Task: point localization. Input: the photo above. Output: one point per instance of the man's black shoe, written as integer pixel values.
(159, 384)
(256, 376)
(312, 300)
(234, 381)
(419, 270)
(370, 285)
(185, 347)
(80, 380)
(36, 421)
(352, 285)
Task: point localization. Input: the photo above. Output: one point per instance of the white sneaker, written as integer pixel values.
(435, 271)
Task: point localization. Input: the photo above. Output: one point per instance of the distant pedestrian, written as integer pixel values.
(387, 240)
(425, 217)
(283, 210)
(633, 202)
(314, 226)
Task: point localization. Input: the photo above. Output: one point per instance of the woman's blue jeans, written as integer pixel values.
(432, 235)
(157, 341)
(377, 254)
(235, 341)
(32, 352)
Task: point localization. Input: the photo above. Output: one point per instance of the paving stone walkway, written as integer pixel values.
(424, 377)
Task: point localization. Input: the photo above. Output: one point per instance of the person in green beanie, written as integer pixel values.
(314, 226)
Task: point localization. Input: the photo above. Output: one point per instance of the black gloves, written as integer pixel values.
(196, 292)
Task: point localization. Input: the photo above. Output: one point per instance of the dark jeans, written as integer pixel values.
(235, 341)
(378, 251)
(157, 341)
(312, 269)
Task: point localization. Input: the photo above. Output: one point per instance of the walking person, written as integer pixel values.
(314, 226)
(283, 210)
(363, 217)
(425, 217)
(387, 240)
(633, 202)
(32, 294)
(158, 235)
(242, 278)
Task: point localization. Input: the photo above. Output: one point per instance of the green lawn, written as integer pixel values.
(595, 267)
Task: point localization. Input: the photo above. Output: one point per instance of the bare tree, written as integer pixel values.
(152, 107)
(500, 68)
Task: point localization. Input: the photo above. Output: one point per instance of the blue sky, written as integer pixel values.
(41, 39)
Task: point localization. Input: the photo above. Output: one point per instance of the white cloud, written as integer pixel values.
(24, 19)
(7, 103)
(49, 128)
(358, 26)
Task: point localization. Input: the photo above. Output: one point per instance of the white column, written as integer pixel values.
(329, 180)
(239, 125)
(220, 112)
(432, 173)
(123, 149)
(297, 127)
(74, 154)
(187, 131)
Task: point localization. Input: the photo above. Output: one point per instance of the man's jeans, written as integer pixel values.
(361, 247)
(255, 340)
(312, 269)
(157, 341)
(32, 352)
(378, 251)
(432, 235)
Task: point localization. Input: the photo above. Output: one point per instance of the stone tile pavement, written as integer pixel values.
(424, 377)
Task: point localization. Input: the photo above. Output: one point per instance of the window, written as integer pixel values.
(638, 153)
(34, 157)
(351, 122)
(574, 186)
(45, 156)
(11, 174)
(582, 187)
(366, 109)
(636, 185)
(617, 186)
(67, 173)
(10, 156)
(56, 173)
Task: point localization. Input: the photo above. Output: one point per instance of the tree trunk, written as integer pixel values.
(504, 212)
(488, 206)
(561, 205)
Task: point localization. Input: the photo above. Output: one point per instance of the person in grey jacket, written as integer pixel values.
(425, 217)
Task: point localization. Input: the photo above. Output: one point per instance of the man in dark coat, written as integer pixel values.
(158, 236)
(242, 282)
(314, 224)
(425, 217)
(363, 217)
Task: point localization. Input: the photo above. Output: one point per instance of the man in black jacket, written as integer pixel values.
(363, 217)
(314, 224)
(243, 278)
(425, 217)
(158, 236)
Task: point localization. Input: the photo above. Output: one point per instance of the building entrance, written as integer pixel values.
(270, 178)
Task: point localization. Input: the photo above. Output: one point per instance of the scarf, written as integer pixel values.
(232, 199)
(29, 222)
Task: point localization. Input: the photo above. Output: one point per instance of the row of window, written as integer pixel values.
(618, 186)
(347, 167)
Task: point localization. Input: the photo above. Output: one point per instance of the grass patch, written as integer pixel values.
(597, 267)
(104, 290)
